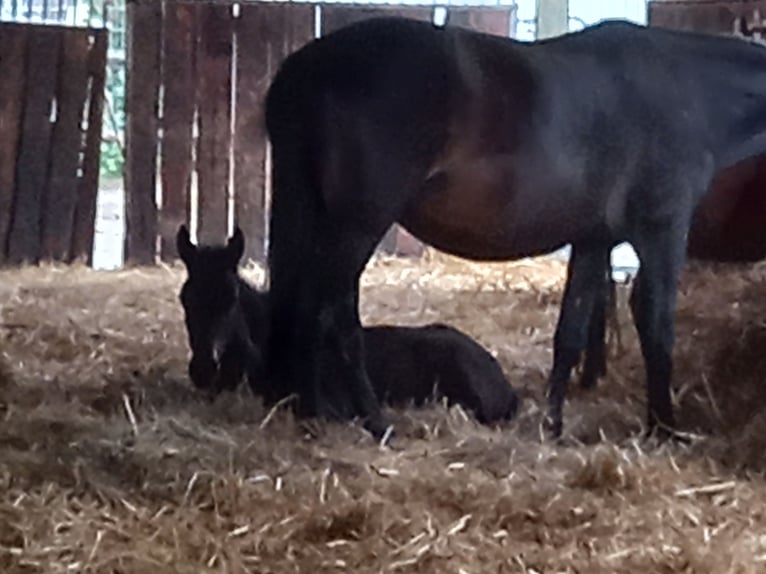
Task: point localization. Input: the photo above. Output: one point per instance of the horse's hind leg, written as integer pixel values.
(653, 304)
(318, 250)
(585, 269)
(595, 354)
(338, 344)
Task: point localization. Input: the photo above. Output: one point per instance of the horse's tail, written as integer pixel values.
(295, 199)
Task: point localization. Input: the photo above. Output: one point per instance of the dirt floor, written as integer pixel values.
(109, 461)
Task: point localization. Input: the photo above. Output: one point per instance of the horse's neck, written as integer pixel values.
(733, 85)
(747, 140)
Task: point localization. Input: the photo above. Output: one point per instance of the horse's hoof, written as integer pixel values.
(662, 434)
(554, 426)
(590, 377)
(328, 412)
(589, 381)
(380, 428)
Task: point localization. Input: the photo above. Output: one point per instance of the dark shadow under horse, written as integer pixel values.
(493, 149)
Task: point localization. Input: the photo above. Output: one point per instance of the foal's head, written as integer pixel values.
(215, 324)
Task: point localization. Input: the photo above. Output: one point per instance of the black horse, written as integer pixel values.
(227, 322)
(220, 334)
(494, 149)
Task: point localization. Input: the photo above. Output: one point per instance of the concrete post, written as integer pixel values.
(552, 18)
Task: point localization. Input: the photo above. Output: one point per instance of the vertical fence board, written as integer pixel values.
(66, 142)
(266, 33)
(13, 45)
(179, 81)
(299, 30)
(84, 226)
(32, 162)
(214, 100)
(255, 23)
(335, 16)
(144, 38)
(489, 19)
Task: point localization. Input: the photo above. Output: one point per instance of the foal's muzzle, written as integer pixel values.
(208, 353)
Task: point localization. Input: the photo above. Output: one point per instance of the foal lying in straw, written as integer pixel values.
(226, 320)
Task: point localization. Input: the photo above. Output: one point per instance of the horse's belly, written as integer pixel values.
(479, 211)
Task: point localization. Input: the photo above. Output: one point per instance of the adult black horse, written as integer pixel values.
(494, 149)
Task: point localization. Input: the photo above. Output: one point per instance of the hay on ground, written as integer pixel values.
(109, 462)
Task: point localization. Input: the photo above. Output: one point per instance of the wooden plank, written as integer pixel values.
(214, 141)
(254, 25)
(266, 33)
(179, 81)
(84, 226)
(710, 17)
(141, 130)
(336, 16)
(13, 47)
(60, 198)
(497, 20)
(32, 163)
(299, 26)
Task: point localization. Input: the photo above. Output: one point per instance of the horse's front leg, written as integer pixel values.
(594, 366)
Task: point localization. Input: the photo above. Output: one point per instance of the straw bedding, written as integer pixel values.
(109, 462)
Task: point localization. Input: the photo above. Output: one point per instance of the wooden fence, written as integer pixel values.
(51, 101)
(205, 141)
(742, 17)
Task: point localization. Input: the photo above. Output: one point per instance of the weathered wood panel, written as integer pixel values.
(255, 24)
(299, 30)
(32, 162)
(142, 93)
(179, 81)
(497, 20)
(266, 33)
(13, 47)
(335, 16)
(214, 100)
(711, 17)
(84, 226)
(60, 197)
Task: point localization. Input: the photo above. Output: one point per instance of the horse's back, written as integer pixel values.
(409, 363)
(494, 149)
(612, 74)
(377, 57)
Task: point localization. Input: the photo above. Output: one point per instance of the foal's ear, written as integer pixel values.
(184, 245)
(236, 246)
